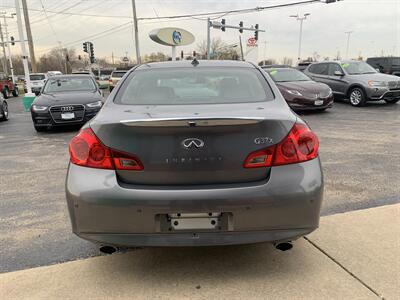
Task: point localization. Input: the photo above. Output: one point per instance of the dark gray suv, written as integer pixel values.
(356, 80)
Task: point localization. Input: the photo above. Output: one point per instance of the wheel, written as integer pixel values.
(6, 93)
(392, 101)
(4, 110)
(40, 128)
(15, 92)
(357, 97)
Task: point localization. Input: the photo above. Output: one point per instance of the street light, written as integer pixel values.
(348, 43)
(301, 19)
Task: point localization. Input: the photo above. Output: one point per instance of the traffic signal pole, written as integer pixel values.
(222, 25)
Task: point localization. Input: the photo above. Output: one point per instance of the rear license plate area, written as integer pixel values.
(212, 221)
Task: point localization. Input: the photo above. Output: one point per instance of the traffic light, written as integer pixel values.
(12, 41)
(91, 52)
(256, 32)
(223, 24)
(85, 49)
(241, 25)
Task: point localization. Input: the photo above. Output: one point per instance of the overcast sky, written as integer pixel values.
(375, 25)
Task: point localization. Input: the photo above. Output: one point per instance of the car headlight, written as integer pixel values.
(294, 92)
(373, 83)
(39, 107)
(95, 104)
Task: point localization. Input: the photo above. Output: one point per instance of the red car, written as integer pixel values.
(300, 91)
(7, 87)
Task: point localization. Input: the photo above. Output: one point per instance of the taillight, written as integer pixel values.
(301, 144)
(87, 150)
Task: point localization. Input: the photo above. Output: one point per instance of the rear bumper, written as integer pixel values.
(284, 208)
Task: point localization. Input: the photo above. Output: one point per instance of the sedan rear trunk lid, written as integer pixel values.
(193, 144)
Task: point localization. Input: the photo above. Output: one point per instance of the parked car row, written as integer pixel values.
(355, 80)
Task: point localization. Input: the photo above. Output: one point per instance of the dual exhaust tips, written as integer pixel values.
(284, 246)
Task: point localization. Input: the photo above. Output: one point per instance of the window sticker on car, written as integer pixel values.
(344, 65)
(273, 72)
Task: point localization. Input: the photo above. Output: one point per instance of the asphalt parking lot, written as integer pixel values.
(360, 152)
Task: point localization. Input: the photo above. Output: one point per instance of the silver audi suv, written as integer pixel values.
(194, 153)
(356, 80)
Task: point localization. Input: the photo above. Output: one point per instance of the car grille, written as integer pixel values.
(77, 109)
(394, 85)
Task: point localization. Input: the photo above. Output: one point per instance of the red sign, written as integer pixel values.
(251, 42)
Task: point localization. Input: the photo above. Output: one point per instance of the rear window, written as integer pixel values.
(118, 74)
(37, 77)
(194, 86)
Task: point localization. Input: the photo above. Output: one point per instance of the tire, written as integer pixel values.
(391, 101)
(4, 110)
(39, 128)
(357, 97)
(15, 92)
(6, 93)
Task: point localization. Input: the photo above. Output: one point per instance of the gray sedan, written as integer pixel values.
(356, 80)
(194, 153)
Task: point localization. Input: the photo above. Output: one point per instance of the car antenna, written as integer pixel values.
(194, 62)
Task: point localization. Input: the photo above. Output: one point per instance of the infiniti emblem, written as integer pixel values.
(192, 142)
(67, 108)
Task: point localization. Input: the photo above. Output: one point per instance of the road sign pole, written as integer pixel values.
(173, 54)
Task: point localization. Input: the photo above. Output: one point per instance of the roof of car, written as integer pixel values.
(337, 61)
(201, 63)
(71, 75)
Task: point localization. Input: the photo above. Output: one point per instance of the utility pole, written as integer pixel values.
(4, 60)
(301, 19)
(208, 37)
(9, 47)
(135, 24)
(348, 43)
(23, 49)
(29, 36)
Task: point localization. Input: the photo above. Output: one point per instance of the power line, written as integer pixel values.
(95, 36)
(236, 11)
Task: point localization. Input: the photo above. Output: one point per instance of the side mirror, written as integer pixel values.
(378, 70)
(338, 73)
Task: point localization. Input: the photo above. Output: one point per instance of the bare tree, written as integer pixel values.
(287, 61)
(218, 50)
(159, 56)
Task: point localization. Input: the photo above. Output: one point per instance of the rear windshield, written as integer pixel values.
(118, 74)
(194, 86)
(284, 75)
(54, 85)
(37, 77)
